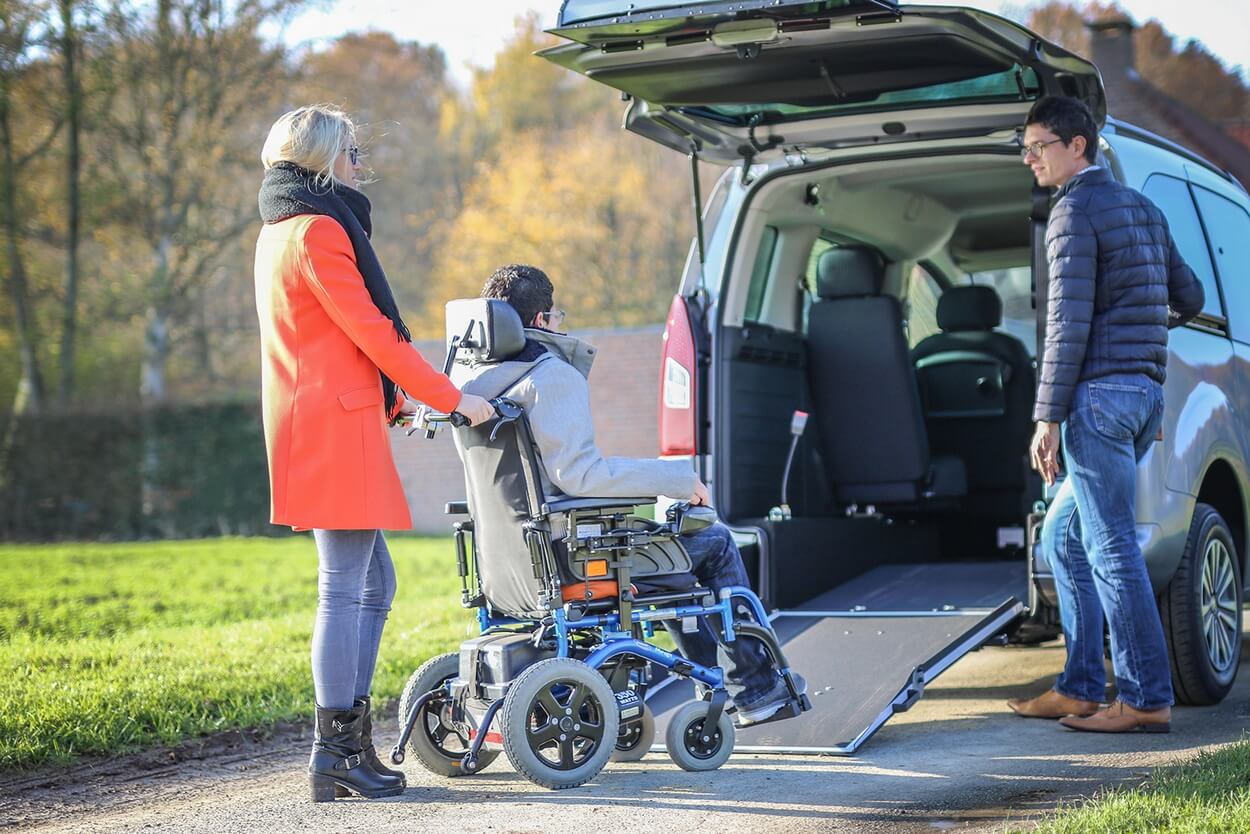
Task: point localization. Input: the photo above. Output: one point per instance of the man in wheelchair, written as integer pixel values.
(570, 581)
(550, 379)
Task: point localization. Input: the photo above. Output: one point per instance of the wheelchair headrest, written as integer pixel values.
(969, 308)
(495, 332)
(849, 272)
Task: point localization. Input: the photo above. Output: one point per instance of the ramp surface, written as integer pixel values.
(868, 648)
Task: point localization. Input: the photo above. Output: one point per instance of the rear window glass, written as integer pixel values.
(820, 247)
(1015, 84)
(921, 305)
(1172, 195)
(759, 274)
(1228, 227)
(1015, 287)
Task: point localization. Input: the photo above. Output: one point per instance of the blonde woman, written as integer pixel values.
(335, 365)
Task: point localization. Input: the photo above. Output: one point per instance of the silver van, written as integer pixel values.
(872, 256)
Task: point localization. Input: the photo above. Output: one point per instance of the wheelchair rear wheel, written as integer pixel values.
(633, 742)
(691, 746)
(436, 741)
(560, 723)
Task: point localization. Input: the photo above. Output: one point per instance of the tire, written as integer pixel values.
(1201, 612)
(685, 739)
(559, 723)
(438, 755)
(632, 743)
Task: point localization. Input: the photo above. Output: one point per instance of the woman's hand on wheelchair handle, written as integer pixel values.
(476, 409)
(700, 498)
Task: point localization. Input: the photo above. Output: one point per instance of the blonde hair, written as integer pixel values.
(311, 137)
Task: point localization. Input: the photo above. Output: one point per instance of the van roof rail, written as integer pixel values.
(1125, 129)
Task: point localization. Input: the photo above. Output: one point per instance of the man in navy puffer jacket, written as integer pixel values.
(1117, 283)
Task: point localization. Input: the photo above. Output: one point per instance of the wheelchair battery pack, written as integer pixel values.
(494, 660)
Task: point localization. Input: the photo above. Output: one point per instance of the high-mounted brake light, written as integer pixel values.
(678, 381)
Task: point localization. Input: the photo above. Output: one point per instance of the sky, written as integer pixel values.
(471, 32)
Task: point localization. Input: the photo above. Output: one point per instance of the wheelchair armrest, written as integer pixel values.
(564, 505)
(456, 508)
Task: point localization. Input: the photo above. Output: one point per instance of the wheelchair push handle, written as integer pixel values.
(505, 412)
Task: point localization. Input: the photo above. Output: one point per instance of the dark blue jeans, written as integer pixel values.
(718, 564)
(1090, 537)
(355, 586)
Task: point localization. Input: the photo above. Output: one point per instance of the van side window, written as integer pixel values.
(820, 247)
(1172, 196)
(1228, 229)
(921, 305)
(760, 271)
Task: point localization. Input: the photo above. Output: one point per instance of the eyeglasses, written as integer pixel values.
(1035, 149)
(353, 154)
(553, 318)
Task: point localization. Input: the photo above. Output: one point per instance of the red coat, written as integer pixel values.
(322, 342)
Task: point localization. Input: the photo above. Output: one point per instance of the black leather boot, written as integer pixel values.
(365, 706)
(338, 765)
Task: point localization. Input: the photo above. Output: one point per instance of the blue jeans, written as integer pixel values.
(718, 564)
(1090, 538)
(355, 586)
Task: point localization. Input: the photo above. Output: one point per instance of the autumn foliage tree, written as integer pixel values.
(554, 182)
(1189, 73)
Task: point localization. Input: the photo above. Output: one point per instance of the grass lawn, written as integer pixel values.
(1209, 795)
(108, 647)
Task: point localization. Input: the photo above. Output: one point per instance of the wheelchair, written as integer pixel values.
(567, 592)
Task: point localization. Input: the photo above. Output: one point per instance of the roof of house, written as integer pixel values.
(1132, 99)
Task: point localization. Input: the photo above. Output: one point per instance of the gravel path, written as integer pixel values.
(958, 760)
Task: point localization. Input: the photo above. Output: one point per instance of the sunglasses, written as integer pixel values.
(353, 154)
(553, 319)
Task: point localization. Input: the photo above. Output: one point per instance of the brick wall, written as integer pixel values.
(624, 392)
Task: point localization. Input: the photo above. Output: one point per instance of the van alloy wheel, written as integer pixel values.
(1221, 625)
(1201, 612)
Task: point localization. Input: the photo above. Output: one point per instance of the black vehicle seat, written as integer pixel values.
(977, 390)
(867, 406)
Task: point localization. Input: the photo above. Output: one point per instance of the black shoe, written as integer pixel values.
(767, 704)
(365, 708)
(338, 766)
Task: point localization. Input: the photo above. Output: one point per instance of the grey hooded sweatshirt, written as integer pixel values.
(555, 392)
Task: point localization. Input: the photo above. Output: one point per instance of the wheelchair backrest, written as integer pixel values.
(505, 499)
(520, 569)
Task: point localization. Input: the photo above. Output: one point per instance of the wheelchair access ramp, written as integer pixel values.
(869, 647)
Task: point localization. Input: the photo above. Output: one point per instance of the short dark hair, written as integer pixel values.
(526, 288)
(1067, 118)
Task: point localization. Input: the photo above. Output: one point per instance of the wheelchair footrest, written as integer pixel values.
(792, 709)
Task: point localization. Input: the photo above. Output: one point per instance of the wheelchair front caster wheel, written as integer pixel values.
(397, 756)
(693, 746)
(633, 742)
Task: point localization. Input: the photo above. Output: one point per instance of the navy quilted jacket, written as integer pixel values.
(1114, 273)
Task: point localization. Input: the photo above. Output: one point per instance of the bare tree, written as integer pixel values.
(190, 75)
(19, 23)
(71, 52)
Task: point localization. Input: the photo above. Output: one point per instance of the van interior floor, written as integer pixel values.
(868, 647)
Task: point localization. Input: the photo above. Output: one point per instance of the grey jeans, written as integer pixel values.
(355, 586)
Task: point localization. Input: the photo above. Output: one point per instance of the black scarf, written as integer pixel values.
(288, 190)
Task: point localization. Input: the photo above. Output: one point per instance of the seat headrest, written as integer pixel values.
(849, 271)
(495, 333)
(969, 308)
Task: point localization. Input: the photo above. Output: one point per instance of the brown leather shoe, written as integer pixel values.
(1121, 718)
(1051, 704)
